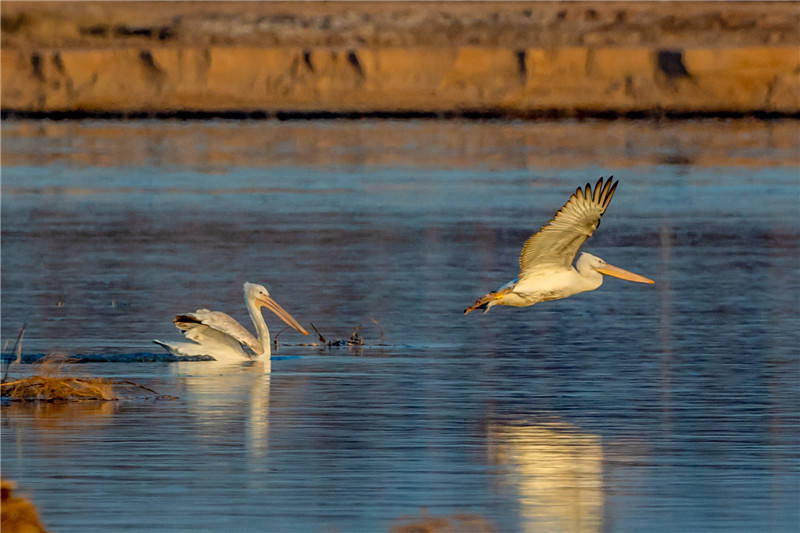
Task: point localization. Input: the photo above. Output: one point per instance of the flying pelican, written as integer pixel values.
(217, 334)
(546, 271)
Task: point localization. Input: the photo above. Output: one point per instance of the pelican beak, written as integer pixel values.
(610, 270)
(273, 306)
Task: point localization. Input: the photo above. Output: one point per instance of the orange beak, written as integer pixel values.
(273, 306)
(620, 273)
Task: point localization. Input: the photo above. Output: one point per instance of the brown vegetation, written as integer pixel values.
(456, 523)
(17, 515)
(53, 386)
(58, 388)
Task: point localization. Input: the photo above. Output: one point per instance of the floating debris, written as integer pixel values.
(17, 514)
(455, 523)
(355, 338)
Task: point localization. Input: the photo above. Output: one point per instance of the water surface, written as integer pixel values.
(660, 408)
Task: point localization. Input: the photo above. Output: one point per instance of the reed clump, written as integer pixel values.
(53, 386)
(17, 515)
(58, 388)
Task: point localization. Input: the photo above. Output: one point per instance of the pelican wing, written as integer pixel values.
(555, 245)
(204, 326)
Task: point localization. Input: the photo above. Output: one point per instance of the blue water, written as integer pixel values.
(671, 407)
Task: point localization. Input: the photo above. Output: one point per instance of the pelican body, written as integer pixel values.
(219, 335)
(546, 271)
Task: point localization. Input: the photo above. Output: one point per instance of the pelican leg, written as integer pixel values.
(488, 300)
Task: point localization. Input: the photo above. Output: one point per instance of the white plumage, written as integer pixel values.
(546, 271)
(217, 334)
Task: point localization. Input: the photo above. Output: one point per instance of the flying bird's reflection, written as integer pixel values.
(557, 471)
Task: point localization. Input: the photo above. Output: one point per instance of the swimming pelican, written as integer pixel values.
(546, 271)
(217, 334)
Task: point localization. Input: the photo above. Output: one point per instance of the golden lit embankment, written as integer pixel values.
(512, 58)
(533, 81)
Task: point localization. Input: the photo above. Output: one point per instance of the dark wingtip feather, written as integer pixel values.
(181, 321)
(598, 189)
(604, 190)
(611, 189)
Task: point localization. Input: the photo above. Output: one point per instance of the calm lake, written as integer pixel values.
(666, 407)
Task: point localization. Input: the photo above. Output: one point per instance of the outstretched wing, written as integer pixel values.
(555, 245)
(204, 326)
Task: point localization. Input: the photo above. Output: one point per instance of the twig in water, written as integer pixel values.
(383, 337)
(17, 350)
(148, 389)
(355, 338)
(275, 341)
(18, 344)
(321, 338)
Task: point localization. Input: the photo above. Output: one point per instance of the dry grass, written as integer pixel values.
(51, 385)
(59, 388)
(17, 515)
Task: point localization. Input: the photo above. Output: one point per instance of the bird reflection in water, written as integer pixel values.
(230, 401)
(557, 472)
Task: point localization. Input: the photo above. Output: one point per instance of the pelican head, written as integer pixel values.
(588, 262)
(255, 291)
(259, 296)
